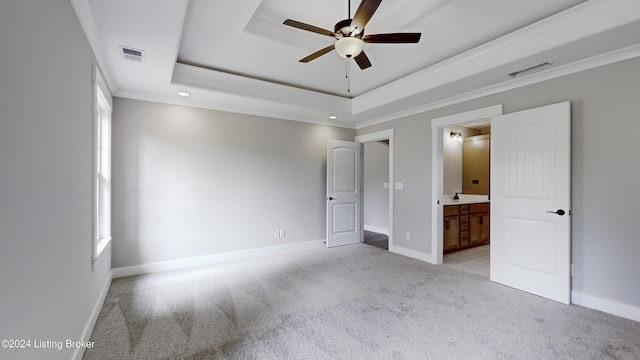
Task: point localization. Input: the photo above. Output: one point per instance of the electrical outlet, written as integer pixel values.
(407, 236)
(282, 233)
(276, 235)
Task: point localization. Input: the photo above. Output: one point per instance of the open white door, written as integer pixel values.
(344, 201)
(530, 201)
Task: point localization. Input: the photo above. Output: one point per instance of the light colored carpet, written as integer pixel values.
(352, 302)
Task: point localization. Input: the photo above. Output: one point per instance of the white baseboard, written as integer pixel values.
(605, 305)
(93, 318)
(411, 253)
(376, 229)
(213, 259)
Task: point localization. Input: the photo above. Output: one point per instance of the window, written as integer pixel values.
(102, 168)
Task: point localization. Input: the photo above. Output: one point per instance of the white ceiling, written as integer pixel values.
(238, 56)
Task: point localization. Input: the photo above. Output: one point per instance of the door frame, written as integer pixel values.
(372, 137)
(437, 125)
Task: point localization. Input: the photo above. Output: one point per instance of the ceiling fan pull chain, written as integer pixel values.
(347, 76)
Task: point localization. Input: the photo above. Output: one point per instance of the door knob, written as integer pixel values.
(330, 198)
(557, 212)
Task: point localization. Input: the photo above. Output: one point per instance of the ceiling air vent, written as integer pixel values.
(132, 54)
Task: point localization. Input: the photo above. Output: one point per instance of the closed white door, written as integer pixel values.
(344, 201)
(530, 201)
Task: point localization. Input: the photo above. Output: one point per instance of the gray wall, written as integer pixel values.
(376, 197)
(48, 289)
(191, 182)
(605, 173)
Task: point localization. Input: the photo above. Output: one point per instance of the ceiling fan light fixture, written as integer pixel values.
(349, 47)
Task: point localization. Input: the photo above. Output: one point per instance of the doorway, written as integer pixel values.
(465, 176)
(438, 188)
(377, 212)
(376, 193)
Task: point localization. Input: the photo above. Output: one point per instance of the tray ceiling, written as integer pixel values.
(238, 56)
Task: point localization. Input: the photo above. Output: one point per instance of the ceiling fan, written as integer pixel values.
(350, 36)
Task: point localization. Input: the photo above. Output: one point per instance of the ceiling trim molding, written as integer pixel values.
(581, 21)
(247, 14)
(88, 24)
(245, 86)
(582, 65)
(467, 116)
(259, 109)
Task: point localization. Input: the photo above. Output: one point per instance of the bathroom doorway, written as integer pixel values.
(444, 195)
(465, 179)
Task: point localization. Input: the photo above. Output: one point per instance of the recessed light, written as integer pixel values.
(183, 93)
(333, 117)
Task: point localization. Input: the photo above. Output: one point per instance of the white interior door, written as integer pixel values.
(344, 197)
(530, 201)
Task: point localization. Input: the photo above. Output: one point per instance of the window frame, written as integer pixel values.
(101, 188)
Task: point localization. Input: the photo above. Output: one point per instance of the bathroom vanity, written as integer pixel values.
(466, 223)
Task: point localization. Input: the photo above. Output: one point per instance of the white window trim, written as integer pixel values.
(101, 99)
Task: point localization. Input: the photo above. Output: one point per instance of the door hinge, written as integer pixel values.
(571, 269)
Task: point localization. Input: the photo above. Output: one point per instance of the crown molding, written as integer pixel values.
(191, 75)
(578, 66)
(85, 17)
(586, 19)
(240, 105)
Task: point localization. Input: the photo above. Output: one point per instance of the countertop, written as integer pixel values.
(447, 199)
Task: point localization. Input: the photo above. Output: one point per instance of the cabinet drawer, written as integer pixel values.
(464, 209)
(464, 238)
(479, 208)
(464, 222)
(450, 210)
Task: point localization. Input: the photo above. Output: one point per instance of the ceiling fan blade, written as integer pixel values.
(315, 29)
(362, 60)
(401, 38)
(364, 13)
(318, 53)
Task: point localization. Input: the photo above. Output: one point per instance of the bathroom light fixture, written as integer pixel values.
(183, 93)
(456, 136)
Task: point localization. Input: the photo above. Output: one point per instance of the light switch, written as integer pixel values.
(385, 185)
(399, 186)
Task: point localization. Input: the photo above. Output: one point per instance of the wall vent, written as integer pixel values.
(132, 54)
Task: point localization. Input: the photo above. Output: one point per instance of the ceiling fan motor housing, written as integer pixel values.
(343, 27)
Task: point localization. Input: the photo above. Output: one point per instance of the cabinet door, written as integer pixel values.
(484, 228)
(451, 240)
(479, 228)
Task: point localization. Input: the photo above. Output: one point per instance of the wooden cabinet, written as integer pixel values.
(451, 229)
(465, 226)
(479, 224)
